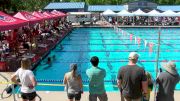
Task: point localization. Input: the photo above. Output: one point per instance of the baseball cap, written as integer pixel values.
(133, 55)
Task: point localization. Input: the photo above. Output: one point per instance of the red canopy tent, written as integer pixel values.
(54, 16)
(8, 22)
(28, 17)
(61, 14)
(40, 15)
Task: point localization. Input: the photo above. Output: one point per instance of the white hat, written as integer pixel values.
(170, 66)
(133, 55)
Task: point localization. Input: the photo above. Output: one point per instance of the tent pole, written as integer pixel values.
(157, 61)
(133, 21)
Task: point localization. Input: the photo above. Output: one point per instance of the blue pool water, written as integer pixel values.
(112, 48)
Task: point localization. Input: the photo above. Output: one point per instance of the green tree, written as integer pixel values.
(5, 5)
(31, 5)
(177, 2)
(164, 2)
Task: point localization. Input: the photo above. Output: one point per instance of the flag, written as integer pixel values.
(151, 47)
(131, 37)
(139, 40)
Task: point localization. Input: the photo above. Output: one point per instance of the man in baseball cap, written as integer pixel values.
(132, 79)
(133, 55)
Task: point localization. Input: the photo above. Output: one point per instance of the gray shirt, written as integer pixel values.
(131, 77)
(167, 83)
(73, 85)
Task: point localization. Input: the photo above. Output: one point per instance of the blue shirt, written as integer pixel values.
(96, 76)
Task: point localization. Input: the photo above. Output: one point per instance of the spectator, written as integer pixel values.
(150, 85)
(96, 83)
(167, 82)
(27, 80)
(73, 83)
(26, 45)
(132, 80)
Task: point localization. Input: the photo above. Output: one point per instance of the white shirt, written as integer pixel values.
(24, 76)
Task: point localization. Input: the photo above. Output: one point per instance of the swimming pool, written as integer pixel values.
(112, 47)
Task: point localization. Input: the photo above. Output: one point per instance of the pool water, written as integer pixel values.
(112, 47)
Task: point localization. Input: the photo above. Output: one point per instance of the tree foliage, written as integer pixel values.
(32, 5)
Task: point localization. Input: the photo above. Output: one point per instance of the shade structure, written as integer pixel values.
(79, 13)
(154, 13)
(124, 13)
(178, 14)
(139, 12)
(28, 17)
(40, 15)
(109, 12)
(52, 16)
(169, 13)
(60, 14)
(8, 22)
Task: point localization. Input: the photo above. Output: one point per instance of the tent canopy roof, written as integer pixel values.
(28, 17)
(139, 12)
(154, 13)
(109, 12)
(169, 13)
(8, 22)
(124, 13)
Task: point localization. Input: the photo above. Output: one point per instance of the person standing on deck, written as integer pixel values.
(73, 83)
(167, 82)
(27, 80)
(132, 80)
(96, 76)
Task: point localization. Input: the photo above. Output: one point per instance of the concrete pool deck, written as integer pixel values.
(61, 96)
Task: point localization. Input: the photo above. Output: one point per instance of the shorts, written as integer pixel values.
(101, 97)
(76, 96)
(28, 96)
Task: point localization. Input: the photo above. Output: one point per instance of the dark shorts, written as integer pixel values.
(76, 96)
(28, 96)
(101, 97)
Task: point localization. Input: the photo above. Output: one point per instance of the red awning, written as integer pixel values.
(60, 14)
(40, 15)
(8, 22)
(51, 15)
(28, 17)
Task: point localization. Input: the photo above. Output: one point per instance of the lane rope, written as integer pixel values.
(59, 85)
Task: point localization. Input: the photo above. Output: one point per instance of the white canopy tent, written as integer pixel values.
(178, 13)
(124, 13)
(139, 12)
(169, 13)
(109, 12)
(154, 13)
